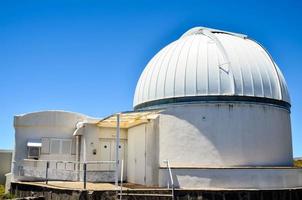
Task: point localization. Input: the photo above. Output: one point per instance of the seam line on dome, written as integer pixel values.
(268, 78)
(258, 70)
(143, 76)
(177, 63)
(196, 67)
(160, 68)
(154, 67)
(218, 70)
(168, 64)
(186, 66)
(248, 66)
(275, 67)
(235, 49)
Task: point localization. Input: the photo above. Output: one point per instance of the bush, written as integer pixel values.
(3, 195)
(298, 163)
(2, 190)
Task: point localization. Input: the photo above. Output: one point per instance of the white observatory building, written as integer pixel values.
(213, 103)
(226, 112)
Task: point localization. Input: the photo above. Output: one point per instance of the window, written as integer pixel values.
(33, 148)
(33, 152)
(61, 146)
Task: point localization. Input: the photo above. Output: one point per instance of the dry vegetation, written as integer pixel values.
(298, 163)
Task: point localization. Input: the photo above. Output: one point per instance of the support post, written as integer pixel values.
(46, 176)
(85, 174)
(78, 159)
(117, 148)
(122, 173)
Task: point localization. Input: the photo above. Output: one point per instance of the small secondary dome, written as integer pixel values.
(207, 62)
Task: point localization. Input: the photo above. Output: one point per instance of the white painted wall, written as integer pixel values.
(225, 135)
(54, 124)
(93, 138)
(5, 164)
(232, 178)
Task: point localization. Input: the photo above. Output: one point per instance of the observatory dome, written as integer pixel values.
(211, 65)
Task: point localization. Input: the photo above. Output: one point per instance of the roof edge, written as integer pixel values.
(212, 99)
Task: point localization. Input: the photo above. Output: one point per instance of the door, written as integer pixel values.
(105, 154)
(108, 147)
(136, 164)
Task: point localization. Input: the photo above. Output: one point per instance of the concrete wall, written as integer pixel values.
(92, 135)
(225, 135)
(234, 178)
(54, 124)
(5, 164)
(91, 139)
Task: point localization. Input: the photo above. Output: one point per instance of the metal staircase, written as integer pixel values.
(167, 193)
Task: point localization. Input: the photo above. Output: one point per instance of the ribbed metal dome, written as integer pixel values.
(210, 63)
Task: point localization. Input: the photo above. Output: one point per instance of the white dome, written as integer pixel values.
(210, 63)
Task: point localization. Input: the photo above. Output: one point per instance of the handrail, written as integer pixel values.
(75, 162)
(171, 177)
(56, 162)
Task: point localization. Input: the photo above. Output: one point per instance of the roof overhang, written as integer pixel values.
(34, 143)
(128, 119)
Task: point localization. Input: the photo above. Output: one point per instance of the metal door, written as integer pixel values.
(105, 154)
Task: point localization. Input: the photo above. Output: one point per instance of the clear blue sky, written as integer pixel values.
(86, 56)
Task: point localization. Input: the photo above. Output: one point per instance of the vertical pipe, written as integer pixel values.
(84, 149)
(76, 164)
(85, 175)
(117, 148)
(122, 173)
(47, 166)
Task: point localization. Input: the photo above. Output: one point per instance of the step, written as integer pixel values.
(145, 194)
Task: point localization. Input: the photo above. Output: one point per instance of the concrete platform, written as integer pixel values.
(72, 190)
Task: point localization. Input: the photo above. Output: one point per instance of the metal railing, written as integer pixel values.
(171, 178)
(68, 166)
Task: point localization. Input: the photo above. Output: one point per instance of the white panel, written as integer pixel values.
(235, 65)
(154, 73)
(213, 72)
(73, 146)
(202, 66)
(161, 77)
(146, 80)
(226, 81)
(191, 67)
(264, 76)
(66, 147)
(55, 146)
(180, 71)
(275, 87)
(45, 146)
(169, 84)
